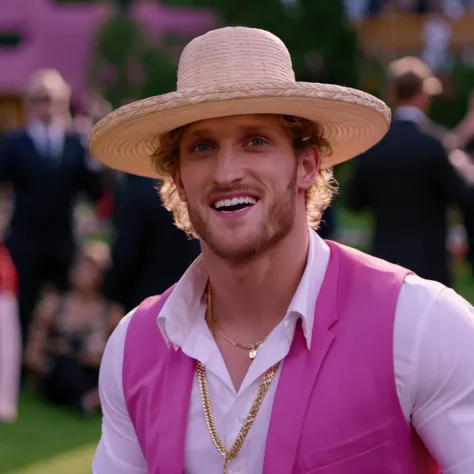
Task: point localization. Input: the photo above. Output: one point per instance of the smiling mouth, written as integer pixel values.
(234, 204)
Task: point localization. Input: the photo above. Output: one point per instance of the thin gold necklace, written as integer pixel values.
(252, 348)
(233, 452)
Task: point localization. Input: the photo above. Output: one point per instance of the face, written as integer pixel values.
(242, 183)
(85, 275)
(46, 108)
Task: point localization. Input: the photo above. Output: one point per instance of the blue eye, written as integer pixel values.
(202, 147)
(257, 141)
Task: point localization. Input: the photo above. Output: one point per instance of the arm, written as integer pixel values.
(38, 337)
(118, 451)
(443, 381)
(449, 181)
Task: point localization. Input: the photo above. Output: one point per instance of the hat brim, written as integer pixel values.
(352, 121)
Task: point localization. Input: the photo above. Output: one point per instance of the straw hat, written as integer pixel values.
(235, 71)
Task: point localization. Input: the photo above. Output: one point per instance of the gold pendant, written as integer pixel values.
(252, 354)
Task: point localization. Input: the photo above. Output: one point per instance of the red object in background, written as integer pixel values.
(105, 205)
(8, 276)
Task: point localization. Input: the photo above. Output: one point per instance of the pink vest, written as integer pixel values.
(336, 408)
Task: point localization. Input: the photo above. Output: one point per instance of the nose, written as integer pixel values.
(227, 167)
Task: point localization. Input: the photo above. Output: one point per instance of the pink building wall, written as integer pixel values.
(59, 36)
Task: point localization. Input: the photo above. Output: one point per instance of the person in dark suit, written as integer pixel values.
(328, 227)
(149, 253)
(47, 168)
(408, 181)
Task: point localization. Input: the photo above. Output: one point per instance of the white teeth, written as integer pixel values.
(234, 201)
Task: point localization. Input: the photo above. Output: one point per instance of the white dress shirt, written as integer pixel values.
(410, 114)
(48, 139)
(433, 359)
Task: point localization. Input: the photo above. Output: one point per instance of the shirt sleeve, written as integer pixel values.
(118, 451)
(443, 383)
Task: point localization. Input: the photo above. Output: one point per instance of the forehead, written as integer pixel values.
(236, 123)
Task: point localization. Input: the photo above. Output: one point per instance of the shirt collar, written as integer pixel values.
(186, 304)
(410, 114)
(38, 128)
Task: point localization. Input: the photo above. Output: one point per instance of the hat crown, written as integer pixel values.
(234, 55)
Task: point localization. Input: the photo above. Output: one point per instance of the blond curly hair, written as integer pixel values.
(301, 132)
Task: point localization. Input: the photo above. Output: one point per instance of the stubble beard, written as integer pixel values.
(276, 225)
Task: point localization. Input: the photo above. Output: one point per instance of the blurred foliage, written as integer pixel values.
(450, 110)
(127, 64)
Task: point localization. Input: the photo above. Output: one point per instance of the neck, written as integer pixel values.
(85, 295)
(254, 296)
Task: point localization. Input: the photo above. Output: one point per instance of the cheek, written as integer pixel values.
(193, 179)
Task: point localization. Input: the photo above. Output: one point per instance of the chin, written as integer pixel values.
(235, 253)
(236, 244)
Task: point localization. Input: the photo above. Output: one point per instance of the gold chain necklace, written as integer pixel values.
(252, 348)
(233, 452)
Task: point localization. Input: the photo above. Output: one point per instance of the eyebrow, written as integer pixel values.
(242, 129)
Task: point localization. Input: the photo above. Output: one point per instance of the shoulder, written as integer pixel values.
(112, 359)
(419, 292)
(431, 316)
(359, 260)
(426, 303)
(431, 137)
(141, 328)
(50, 305)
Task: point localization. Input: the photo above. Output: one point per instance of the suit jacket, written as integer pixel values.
(45, 188)
(149, 253)
(408, 183)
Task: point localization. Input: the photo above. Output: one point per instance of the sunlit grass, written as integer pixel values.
(45, 439)
(74, 462)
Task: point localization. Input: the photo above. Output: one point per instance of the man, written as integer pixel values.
(149, 253)
(276, 352)
(407, 179)
(47, 167)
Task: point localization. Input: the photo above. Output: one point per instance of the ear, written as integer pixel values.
(308, 168)
(178, 182)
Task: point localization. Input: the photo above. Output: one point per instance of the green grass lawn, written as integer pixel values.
(48, 440)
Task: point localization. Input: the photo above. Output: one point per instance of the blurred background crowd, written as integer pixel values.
(81, 245)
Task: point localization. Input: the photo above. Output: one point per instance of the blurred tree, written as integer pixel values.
(126, 63)
(450, 110)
